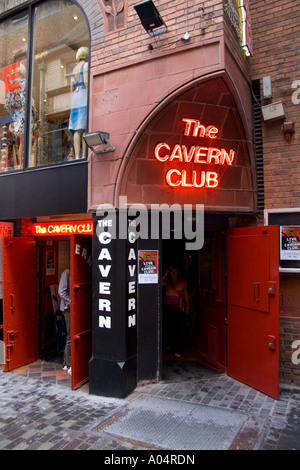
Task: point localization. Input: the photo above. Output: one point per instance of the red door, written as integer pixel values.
(20, 317)
(81, 308)
(253, 308)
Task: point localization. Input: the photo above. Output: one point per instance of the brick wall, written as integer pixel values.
(289, 329)
(131, 42)
(289, 372)
(276, 42)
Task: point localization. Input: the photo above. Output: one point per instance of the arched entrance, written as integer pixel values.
(194, 149)
(197, 149)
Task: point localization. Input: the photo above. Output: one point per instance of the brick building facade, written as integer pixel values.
(276, 43)
(179, 108)
(133, 73)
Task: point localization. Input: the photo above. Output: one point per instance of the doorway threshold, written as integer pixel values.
(50, 372)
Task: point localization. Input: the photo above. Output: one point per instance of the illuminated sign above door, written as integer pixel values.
(6, 229)
(62, 228)
(194, 154)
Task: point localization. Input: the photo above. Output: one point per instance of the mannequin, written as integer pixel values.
(78, 115)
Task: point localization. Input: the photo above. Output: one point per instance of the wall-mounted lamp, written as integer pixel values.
(98, 139)
(288, 128)
(150, 18)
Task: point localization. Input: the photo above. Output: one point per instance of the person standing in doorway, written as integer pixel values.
(65, 301)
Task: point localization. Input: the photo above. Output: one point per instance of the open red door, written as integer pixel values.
(20, 317)
(81, 308)
(253, 308)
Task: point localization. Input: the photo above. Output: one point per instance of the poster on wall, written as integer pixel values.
(148, 266)
(290, 242)
(50, 263)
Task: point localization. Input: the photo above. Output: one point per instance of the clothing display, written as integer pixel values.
(78, 115)
(15, 103)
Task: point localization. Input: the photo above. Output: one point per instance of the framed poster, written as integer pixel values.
(290, 242)
(50, 263)
(148, 266)
(288, 222)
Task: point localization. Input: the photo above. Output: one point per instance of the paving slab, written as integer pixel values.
(192, 408)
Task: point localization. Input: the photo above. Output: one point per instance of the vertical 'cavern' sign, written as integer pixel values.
(113, 368)
(116, 270)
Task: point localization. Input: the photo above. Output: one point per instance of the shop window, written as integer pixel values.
(13, 44)
(44, 88)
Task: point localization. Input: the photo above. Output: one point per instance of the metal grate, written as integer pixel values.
(258, 145)
(178, 425)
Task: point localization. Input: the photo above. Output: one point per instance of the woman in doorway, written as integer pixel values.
(175, 308)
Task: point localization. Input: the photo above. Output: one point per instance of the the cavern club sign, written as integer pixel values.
(62, 228)
(197, 157)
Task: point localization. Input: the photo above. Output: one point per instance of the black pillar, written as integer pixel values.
(149, 320)
(113, 366)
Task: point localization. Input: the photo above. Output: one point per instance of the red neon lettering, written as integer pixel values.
(206, 155)
(199, 179)
(168, 178)
(211, 179)
(188, 155)
(194, 154)
(211, 132)
(189, 122)
(200, 152)
(5, 231)
(229, 158)
(62, 228)
(157, 152)
(8, 76)
(199, 130)
(184, 182)
(202, 179)
(176, 153)
(213, 154)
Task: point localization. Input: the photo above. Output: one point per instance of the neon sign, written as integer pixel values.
(62, 228)
(194, 154)
(6, 229)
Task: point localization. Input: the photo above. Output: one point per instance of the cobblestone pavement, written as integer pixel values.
(38, 415)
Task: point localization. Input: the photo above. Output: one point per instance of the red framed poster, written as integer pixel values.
(290, 242)
(148, 266)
